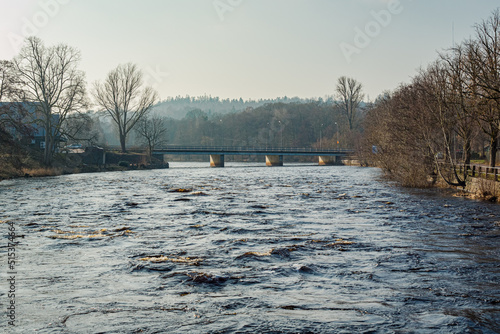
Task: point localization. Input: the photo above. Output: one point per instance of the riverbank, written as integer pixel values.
(482, 183)
(65, 170)
(480, 189)
(90, 161)
(57, 171)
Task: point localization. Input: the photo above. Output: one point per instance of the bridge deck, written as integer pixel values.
(193, 150)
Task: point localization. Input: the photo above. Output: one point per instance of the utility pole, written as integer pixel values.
(222, 129)
(281, 130)
(268, 137)
(320, 137)
(338, 142)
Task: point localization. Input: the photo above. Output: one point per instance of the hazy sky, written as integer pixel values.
(248, 48)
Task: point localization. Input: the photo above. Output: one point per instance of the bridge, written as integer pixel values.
(274, 156)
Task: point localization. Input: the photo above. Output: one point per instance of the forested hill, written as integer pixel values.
(308, 124)
(178, 107)
(315, 123)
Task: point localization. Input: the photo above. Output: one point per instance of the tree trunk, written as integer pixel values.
(493, 146)
(150, 151)
(447, 147)
(47, 152)
(122, 142)
(467, 151)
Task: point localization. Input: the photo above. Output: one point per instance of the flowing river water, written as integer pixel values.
(247, 249)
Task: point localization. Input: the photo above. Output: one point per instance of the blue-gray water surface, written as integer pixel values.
(247, 249)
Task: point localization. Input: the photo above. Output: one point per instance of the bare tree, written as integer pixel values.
(483, 71)
(449, 100)
(152, 130)
(349, 92)
(52, 83)
(437, 96)
(12, 121)
(10, 84)
(81, 128)
(124, 99)
(403, 132)
(12, 111)
(462, 101)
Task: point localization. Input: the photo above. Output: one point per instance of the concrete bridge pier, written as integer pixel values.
(216, 160)
(326, 160)
(330, 160)
(274, 160)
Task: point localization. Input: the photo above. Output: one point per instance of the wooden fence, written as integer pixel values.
(485, 172)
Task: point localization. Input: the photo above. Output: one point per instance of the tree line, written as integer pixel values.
(435, 123)
(43, 90)
(177, 107)
(334, 122)
(311, 124)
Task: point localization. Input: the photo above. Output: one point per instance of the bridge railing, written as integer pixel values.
(175, 148)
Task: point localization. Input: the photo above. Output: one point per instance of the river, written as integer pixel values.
(247, 249)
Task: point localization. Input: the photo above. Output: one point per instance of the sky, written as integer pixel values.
(248, 48)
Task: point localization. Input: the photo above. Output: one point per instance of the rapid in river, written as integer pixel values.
(247, 249)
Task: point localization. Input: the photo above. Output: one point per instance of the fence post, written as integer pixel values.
(496, 174)
(473, 170)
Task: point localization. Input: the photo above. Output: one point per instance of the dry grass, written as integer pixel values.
(42, 171)
(7, 172)
(487, 190)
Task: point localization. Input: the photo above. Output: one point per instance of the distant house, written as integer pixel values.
(29, 115)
